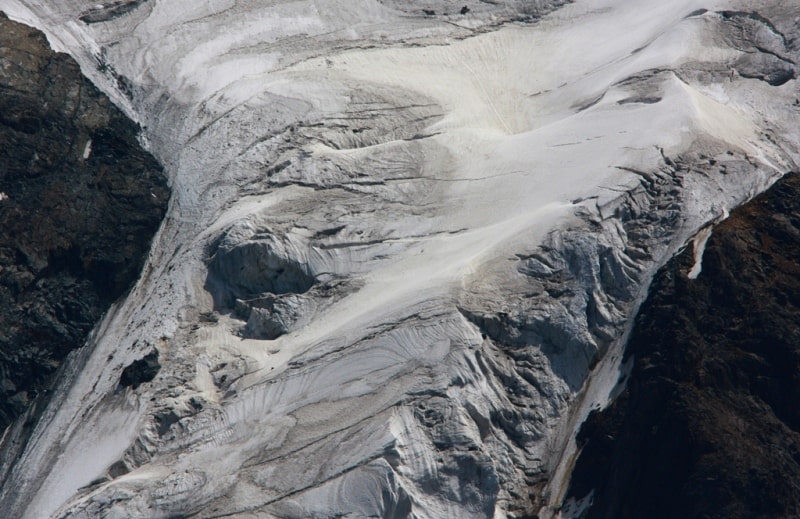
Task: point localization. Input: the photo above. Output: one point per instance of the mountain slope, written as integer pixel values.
(404, 246)
(708, 424)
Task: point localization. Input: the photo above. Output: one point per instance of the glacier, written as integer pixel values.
(404, 246)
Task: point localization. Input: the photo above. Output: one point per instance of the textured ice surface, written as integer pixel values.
(398, 244)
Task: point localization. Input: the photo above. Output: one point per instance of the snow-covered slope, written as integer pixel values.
(403, 247)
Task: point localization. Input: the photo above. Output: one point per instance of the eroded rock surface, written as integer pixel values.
(80, 203)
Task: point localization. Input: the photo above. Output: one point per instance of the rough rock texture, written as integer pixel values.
(708, 425)
(80, 203)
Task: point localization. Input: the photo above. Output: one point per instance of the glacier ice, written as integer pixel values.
(403, 248)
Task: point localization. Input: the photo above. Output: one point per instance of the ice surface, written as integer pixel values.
(698, 247)
(465, 194)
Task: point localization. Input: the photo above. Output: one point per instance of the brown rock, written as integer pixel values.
(81, 201)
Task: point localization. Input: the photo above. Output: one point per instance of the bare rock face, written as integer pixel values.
(709, 425)
(80, 203)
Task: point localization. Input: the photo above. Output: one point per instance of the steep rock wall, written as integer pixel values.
(80, 203)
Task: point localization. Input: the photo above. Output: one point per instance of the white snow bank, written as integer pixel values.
(698, 248)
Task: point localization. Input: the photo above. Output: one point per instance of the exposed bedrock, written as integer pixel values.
(708, 425)
(140, 371)
(79, 203)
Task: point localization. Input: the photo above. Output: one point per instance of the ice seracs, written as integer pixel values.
(397, 246)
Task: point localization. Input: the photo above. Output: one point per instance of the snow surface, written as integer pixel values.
(87, 149)
(406, 164)
(698, 248)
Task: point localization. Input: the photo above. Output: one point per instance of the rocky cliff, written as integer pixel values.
(708, 425)
(79, 203)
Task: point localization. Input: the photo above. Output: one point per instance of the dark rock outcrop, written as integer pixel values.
(80, 203)
(140, 371)
(709, 423)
